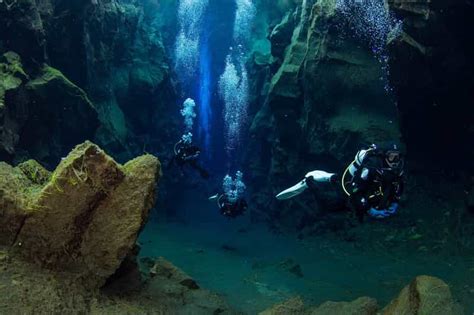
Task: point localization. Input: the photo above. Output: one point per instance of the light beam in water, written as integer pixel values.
(205, 110)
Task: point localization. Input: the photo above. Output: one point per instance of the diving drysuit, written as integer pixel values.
(373, 182)
(187, 153)
(228, 208)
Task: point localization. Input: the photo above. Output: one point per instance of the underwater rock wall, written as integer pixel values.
(42, 113)
(110, 49)
(432, 71)
(323, 93)
(325, 99)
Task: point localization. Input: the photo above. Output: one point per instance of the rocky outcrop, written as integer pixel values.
(68, 241)
(85, 218)
(424, 295)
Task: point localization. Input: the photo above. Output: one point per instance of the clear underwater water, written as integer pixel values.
(249, 264)
(274, 89)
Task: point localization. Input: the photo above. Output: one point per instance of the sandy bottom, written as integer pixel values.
(254, 268)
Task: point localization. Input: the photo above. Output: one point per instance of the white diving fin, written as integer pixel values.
(215, 197)
(293, 191)
(318, 176)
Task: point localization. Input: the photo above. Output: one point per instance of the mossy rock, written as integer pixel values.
(51, 81)
(35, 172)
(12, 74)
(15, 202)
(87, 217)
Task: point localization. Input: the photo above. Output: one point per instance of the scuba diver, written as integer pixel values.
(187, 153)
(231, 203)
(373, 182)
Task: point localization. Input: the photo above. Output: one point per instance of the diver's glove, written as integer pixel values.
(379, 214)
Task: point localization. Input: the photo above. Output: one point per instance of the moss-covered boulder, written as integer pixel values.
(85, 218)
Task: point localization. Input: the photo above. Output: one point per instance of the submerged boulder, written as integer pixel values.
(295, 306)
(173, 289)
(424, 296)
(361, 306)
(292, 306)
(85, 219)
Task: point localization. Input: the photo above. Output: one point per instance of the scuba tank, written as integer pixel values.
(354, 166)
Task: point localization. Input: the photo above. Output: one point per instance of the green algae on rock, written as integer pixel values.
(15, 198)
(35, 172)
(49, 111)
(12, 74)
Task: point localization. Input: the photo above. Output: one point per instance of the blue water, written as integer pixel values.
(205, 110)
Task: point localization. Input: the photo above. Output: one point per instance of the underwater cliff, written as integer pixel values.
(143, 142)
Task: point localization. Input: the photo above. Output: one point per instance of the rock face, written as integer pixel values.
(86, 218)
(424, 296)
(433, 75)
(41, 112)
(109, 53)
(325, 99)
